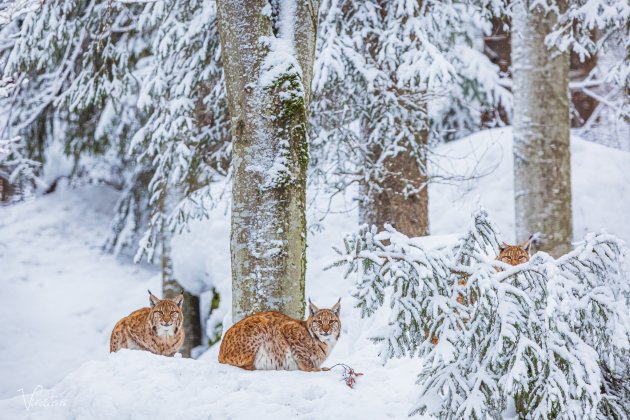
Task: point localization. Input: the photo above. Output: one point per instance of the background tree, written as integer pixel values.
(392, 78)
(268, 50)
(542, 163)
(543, 35)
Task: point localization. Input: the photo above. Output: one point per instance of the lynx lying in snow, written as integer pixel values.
(274, 341)
(157, 329)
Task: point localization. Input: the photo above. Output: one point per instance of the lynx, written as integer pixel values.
(157, 329)
(509, 254)
(514, 254)
(274, 341)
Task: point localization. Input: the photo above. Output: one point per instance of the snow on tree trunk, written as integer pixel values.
(171, 287)
(400, 197)
(542, 172)
(268, 51)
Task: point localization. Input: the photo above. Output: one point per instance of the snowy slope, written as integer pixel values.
(76, 287)
(600, 180)
(59, 290)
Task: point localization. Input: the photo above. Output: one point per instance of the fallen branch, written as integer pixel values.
(349, 375)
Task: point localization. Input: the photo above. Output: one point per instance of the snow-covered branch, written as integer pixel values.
(545, 337)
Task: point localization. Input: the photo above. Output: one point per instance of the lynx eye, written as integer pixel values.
(505, 259)
(159, 312)
(174, 313)
(522, 259)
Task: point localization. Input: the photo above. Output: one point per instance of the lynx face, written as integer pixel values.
(166, 316)
(324, 323)
(514, 254)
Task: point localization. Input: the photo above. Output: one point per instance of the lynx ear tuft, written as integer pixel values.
(337, 307)
(179, 300)
(312, 308)
(528, 243)
(503, 246)
(153, 300)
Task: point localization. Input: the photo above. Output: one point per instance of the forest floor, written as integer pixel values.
(62, 296)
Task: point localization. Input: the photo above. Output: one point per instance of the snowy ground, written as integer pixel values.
(63, 296)
(60, 290)
(600, 178)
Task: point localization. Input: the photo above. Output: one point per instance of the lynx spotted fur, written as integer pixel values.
(274, 341)
(515, 254)
(157, 329)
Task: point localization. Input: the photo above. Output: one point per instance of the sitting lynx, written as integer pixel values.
(274, 341)
(157, 329)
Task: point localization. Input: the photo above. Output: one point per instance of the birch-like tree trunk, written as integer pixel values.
(171, 287)
(542, 170)
(268, 49)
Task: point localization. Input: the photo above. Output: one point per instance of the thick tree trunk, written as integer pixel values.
(171, 288)
(268, 50)
(497, 47)
(400, 194)
(542, 171)
(401, 197)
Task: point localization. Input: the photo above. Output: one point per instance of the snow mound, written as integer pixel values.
(147, 386)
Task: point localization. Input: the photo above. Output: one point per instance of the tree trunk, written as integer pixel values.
(401, 197)
(6, 189)
(268, 50)
(400, 194)
(542, 171)
(171, 288)
(584, 105)
(498, 48)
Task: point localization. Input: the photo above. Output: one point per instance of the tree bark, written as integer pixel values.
(542, 171)
(269, 96)
(6, 189)
(584, 105)
(498, 48)
(401, 196)
(171, 287)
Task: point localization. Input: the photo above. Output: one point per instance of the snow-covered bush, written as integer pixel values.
(540, 340)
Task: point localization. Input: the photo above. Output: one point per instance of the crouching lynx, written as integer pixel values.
(274, 341)
(157, 329)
